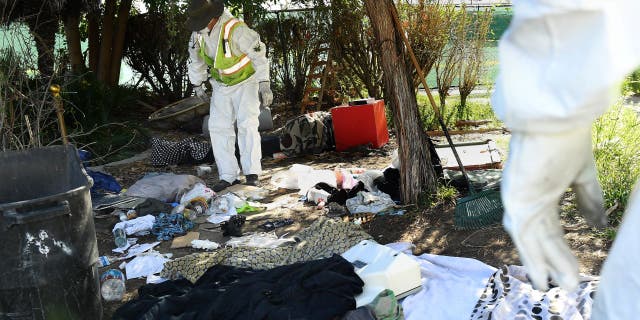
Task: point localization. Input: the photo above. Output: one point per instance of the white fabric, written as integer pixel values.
(451, 287)
(365, 202)
(243, 41)
(146, 265)
(533, 181)
(561, 61)
(617, 295)
(137, 226)
(239, 103)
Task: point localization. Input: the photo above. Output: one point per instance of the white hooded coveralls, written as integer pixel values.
(561, 62)
(238, 104)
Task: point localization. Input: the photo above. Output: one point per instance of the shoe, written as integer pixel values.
(251, 180)
(223, 184)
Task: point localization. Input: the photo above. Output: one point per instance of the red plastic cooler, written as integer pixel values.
(360, 125)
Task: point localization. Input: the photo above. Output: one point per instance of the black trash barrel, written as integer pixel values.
(47, 237)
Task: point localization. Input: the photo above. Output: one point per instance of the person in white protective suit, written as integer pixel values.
(225, 51)
(561, 63)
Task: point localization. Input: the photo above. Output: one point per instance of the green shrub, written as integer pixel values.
(616, 137)
(632, 84)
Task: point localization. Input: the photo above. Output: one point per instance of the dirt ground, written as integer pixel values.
(431, 230)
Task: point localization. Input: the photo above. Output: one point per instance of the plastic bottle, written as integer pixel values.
(120, 237)
(112, 286)
(122, 216)
(104, 261)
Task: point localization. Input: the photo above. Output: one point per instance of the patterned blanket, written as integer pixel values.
(322, 239)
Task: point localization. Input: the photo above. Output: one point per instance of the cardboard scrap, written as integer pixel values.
(185, 241)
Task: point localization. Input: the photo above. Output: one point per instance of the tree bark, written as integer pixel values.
(118, 42)
(417, 175)
(94, 41)
(104, 63)
(72, 33)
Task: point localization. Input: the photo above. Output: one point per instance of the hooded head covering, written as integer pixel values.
(201, 12)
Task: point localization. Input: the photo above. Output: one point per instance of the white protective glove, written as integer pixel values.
(200, 92)
(266, 96)
(539, 169)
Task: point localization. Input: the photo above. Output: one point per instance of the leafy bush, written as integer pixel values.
(632, 84)
(616, 137)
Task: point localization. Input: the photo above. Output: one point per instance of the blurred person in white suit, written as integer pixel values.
(561, 63)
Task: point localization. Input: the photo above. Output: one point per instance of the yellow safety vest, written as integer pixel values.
(228, 68)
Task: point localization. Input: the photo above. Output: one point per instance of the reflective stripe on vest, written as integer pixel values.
(227, 68)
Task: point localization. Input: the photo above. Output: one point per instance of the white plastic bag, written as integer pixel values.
(198, 191)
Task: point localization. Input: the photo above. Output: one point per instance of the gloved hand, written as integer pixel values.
(200, 92)
(266, 96)
(540, 168)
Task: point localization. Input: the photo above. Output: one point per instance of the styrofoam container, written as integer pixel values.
(381, 267)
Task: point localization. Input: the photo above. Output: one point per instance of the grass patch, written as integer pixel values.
(616, 139)
(478, 108)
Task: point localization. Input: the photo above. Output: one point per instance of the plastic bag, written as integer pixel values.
(198, 191)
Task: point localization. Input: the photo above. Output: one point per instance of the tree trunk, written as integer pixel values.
(118, 42)
(104, 63)
(43, 27)
(72, 32)
(94, 40)
(417, 175)
(463, 104)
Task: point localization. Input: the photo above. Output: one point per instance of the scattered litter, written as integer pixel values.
(145, 265)
(130, 242)
(184, 241)
(153, 279)
(120, 237)
(138, 226)
(258, 240)
(220, 218)
(223, 208)
(345, 179)
(249, 208)
(140, 248)
(112, 285)
(370, 202)
(168, 226)
(282, 202)
(167, 187)
(272, 225)
(316, 196)
(204, 245)
(309, 179)
(336, 210)
(202, 170)
(368, 178)
(198, 191)
(302, 177)
(251, 193)
(233, 227)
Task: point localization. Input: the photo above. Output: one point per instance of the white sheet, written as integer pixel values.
(451, 287)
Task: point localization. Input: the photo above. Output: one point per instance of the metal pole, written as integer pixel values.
(55, 91)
